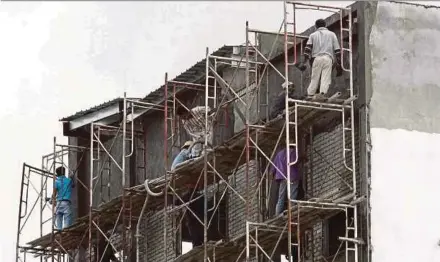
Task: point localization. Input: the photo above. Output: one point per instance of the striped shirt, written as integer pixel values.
(322, 42)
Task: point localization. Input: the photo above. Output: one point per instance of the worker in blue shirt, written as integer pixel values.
(184, 154)
(62, 192)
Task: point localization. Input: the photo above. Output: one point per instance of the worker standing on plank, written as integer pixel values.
(62, 193)
(322, 50)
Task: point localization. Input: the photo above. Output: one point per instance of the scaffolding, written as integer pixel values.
(116, 217)
(259, 142)
(36, 190)
(111, 209)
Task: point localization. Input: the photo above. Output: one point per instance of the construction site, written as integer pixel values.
(130, 206)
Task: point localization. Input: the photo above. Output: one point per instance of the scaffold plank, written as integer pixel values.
(267, 239)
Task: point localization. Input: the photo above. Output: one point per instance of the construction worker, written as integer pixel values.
(322, 51)
(184, 154)
(279, 103)
(62, 193)
(279, 171)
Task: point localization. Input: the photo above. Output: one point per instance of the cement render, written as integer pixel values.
(405, 62)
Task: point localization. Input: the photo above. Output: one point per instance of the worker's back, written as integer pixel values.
(323, 41)
(64, 187)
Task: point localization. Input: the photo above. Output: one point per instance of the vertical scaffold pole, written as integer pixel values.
(205, 164)
(247, 136)
(286, 73)
(165, 147)
(91, 191)
(124, 150)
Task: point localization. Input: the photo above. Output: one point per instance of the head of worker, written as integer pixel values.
(186, 145)
(319, 23)
(290, 88)
(60, 171)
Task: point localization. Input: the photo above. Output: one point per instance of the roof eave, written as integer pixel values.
(101, 115)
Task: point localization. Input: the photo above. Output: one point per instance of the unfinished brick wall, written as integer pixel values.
(326, 170)
(236, 206)
(325, 173)
(152, 247)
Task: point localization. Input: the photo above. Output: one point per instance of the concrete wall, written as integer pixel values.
(236, 78)
(404, 59)
(154, 144)
(73, 164)
(109, 183)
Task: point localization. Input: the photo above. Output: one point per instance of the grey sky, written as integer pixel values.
(61, 57)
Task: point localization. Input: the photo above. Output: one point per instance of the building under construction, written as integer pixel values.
(128, 202)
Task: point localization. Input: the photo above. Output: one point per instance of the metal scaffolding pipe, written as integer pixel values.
(138, 226)
(277, 33)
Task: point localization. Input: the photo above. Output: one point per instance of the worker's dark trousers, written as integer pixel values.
(195, 228)
(273, 200)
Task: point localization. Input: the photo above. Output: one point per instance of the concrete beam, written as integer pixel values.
(94, 117)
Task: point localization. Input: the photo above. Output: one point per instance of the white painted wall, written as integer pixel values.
(405, 181)
(405, 133)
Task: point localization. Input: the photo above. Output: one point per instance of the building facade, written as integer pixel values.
(348, 144)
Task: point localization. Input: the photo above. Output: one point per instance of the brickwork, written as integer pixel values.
(326, 172)
(236, 206)
(152, 238)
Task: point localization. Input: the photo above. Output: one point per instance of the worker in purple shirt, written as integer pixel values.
(280, 174)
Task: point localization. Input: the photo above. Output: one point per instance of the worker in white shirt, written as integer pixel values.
(322, 51)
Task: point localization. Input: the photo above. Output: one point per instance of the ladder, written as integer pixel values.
(291, 117)
(24, 194)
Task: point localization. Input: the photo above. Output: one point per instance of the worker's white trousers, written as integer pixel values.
(321, 67)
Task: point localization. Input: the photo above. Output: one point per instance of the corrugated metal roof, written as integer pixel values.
(191, 75)
(92, 109)
(95, 108)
